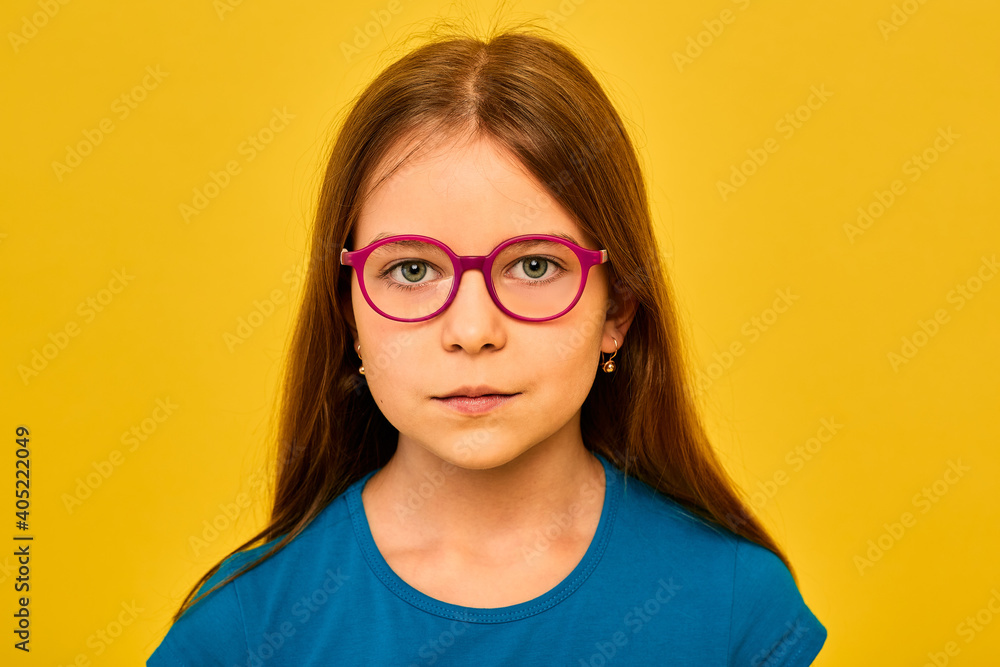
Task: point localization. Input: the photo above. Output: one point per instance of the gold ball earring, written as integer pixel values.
(609, 365)
(362, 369)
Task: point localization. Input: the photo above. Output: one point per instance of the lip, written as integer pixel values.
(479, 390)
(476, 405)
(476, 400)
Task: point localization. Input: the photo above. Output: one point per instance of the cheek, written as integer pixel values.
(578, 351)
(386, 352)
(569, 359)
(391, 377)
(578, 338)
(388, 357)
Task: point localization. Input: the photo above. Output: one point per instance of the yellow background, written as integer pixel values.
(162, 336)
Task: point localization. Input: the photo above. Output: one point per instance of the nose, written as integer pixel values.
(473, 321)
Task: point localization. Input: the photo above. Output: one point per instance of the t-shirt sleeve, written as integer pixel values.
(771, 624)
(212, 632)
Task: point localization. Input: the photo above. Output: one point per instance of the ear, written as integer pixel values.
(621, 311)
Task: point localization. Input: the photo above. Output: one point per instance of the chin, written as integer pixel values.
(482, 453)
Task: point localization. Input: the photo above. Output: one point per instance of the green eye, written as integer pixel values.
(534, 267)
(414, 271)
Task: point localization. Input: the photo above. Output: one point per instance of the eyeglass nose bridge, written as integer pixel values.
(475, 262)
(465, 263)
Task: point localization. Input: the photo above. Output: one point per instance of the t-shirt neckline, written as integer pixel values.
(420, 600)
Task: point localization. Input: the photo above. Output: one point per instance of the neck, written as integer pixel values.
(549, 495)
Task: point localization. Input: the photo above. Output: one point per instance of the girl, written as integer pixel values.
(490, 452)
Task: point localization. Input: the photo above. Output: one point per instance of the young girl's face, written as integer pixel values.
(471, 196)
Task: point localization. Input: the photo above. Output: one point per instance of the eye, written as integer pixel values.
(536, 267)
(412, 271)
(409, 274)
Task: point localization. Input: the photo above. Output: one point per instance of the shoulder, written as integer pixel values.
(214, 629)
(209, 631)
(722, 576)
(771, 624)
(654, 518)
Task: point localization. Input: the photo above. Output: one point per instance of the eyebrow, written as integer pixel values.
(562, 235)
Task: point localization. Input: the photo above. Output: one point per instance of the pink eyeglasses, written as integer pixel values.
(411, 278)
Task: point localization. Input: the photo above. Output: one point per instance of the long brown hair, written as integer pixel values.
(538, 100)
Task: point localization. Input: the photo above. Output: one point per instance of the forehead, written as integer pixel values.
(466, 191)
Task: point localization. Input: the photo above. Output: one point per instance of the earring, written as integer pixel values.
(362, 369)
(609, 365)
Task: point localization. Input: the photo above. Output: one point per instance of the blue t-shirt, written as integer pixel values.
(657, 586)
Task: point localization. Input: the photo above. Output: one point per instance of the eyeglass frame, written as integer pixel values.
(484, 263)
